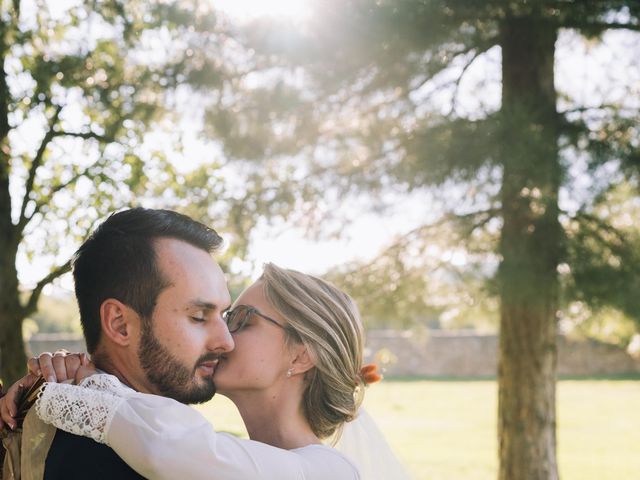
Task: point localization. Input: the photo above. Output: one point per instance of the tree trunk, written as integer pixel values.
(13, 359)
(12, 352)
(530, 247)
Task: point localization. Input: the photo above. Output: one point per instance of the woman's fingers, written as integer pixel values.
(33, 365)
(8, 407)
(57, 367)
(45, 364)
(59, 361)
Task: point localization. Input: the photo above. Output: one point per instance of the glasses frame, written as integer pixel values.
(229, 314)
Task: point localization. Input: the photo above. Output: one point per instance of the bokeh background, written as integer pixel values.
(467, 171)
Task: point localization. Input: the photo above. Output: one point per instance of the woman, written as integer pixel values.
(295, 376)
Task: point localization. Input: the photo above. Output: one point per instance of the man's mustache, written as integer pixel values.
(207, 357)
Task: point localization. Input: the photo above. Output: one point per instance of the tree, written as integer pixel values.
(82, 89)
(432, 277)
(371, 94)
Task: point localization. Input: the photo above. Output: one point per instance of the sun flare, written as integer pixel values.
(249, 9)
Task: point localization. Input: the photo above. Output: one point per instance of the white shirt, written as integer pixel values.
(161, 438)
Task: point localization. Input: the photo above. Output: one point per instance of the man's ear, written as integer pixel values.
(302, 360)
(116, 319)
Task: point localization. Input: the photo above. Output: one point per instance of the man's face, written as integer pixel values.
(180, 345)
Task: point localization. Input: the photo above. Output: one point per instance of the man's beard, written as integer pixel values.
(168, 375)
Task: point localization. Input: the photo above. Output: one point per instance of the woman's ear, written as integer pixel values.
(301, 360)
(116, 319)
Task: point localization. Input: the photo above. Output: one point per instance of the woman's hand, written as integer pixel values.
(8, 403)
(59, 366)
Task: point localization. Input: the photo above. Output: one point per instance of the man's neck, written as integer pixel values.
(113, 366)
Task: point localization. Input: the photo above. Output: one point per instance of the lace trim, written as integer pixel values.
(78, 410)
(106, 383)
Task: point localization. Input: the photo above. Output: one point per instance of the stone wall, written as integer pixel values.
(467, 354)
(440, 354)
(50, 342)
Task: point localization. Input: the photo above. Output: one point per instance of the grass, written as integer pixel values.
(446, 429)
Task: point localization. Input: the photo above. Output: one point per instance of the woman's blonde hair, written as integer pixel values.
(326, 320)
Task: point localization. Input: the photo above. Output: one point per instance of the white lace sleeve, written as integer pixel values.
(164, 440)
(78, 410)
(106, 383)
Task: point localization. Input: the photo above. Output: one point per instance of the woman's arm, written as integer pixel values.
(60, 366)
(163, 439)
(80, 410)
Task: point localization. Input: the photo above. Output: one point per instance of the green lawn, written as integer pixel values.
(446, 429)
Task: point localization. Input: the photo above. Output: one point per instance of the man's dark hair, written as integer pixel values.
(118, 261)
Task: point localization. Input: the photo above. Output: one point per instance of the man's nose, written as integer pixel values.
(220, 340)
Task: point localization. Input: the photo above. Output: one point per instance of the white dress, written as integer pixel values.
(161, 438)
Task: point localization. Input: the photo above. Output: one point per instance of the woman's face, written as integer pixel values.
(261, 356)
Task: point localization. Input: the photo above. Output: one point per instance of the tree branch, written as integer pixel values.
(598, 107)
(84, 135)
(32, 303)
(403, 242)
(4, 88)
(476, 54)
(479, 48)
(37, 161)
(55, 189)
(601, 225)
(600, 26)
(52, 133)
(483, 217)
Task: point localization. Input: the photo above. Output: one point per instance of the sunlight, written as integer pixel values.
(244, 10)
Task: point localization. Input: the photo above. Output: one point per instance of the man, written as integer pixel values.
(151, 300)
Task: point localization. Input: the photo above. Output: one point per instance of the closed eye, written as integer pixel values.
(198, 319)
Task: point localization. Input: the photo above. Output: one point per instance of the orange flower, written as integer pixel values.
(369, 373)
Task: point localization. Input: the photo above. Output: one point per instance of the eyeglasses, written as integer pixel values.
(237, 318)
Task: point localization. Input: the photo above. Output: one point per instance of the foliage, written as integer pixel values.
(606, 324)
(93, 101)
(446, 270)
(603, 253)
(433, 277)
(404, 96)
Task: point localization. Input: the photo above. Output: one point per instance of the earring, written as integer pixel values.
(289, 372)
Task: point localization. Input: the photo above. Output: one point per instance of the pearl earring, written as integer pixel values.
(289, 372)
